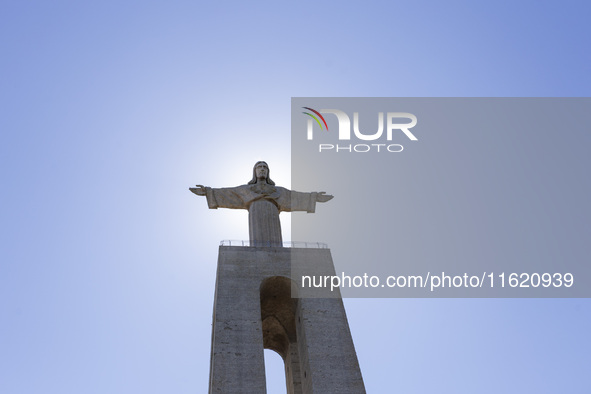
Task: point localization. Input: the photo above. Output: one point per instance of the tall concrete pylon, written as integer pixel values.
(258, 305)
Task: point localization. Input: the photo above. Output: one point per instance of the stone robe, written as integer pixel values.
(264, 203)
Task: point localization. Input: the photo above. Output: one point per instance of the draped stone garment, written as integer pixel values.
(264, 203)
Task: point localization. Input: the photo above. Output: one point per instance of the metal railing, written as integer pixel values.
(267, 244)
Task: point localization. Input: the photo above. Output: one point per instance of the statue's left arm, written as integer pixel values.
(298, 201)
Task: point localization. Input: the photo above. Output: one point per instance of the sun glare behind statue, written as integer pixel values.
(236, 170)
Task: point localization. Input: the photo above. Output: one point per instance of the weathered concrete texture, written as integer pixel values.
(254, 310)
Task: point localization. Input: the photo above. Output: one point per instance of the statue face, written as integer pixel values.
(262, 171)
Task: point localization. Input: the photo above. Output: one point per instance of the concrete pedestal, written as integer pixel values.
(254, 310)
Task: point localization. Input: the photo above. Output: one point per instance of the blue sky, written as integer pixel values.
(111, 110)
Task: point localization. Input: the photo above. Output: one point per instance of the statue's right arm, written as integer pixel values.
(208, 192)
(227, 197)
(200, 190)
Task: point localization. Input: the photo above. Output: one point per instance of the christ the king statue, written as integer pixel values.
(264, 202)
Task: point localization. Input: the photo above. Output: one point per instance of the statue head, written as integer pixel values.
(261, 170)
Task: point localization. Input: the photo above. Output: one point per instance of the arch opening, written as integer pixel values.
(278, 311)
(275, 372)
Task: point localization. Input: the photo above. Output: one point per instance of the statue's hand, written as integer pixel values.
(199, 190)
(323, 197)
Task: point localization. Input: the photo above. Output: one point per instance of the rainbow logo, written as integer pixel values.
(315, 118)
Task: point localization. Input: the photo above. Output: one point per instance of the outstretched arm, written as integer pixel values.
(299, 201)
(228, 197)
(200, 190)
(323, 197)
